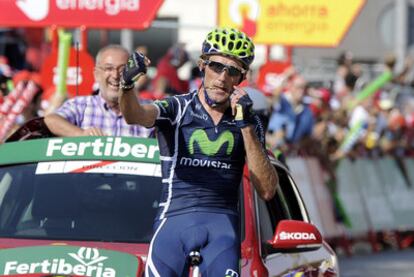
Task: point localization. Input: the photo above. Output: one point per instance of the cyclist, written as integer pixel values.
(204, 138)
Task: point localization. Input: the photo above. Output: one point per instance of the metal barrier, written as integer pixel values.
(319, 202)
(376, 195)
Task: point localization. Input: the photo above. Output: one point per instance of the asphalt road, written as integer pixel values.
(384, 264)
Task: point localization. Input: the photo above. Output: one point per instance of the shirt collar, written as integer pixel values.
(104, 104)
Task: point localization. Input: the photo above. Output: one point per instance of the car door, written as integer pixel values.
(286, 204)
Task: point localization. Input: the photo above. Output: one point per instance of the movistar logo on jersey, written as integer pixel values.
(211, 147)
(162, 103)
(203, 163)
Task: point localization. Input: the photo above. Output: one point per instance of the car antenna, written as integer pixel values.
(77, 67)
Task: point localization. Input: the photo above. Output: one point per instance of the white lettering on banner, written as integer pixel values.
(108, 147)
(297, 236)
(86, 267)
(110, 7)
(115, 167)
(34, 9)
(71, 79)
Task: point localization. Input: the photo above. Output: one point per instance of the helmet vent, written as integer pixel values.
(239, 45)
(231, 45)
(223, 40)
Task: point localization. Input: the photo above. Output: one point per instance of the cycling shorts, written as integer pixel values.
(214, 235)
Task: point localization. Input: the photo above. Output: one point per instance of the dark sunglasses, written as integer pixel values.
(219, 68)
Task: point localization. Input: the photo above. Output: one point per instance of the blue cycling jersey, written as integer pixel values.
(202, 163)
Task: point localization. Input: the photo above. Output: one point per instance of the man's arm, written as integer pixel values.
(134, 112)
(59, 126)
(262, 172)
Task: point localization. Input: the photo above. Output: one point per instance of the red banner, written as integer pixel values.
(79, 79)
(134, 14)
(269, 75)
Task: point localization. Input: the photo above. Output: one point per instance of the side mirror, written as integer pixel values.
(295, 236)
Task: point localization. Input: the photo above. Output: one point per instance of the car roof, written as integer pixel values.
(80, 148)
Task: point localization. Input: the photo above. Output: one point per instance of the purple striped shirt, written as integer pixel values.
(92, 111)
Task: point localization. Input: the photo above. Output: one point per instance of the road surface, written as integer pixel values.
(384, 264)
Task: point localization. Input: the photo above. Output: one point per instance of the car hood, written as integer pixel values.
(70, 260)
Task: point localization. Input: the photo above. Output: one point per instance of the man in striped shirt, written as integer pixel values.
(98, 114)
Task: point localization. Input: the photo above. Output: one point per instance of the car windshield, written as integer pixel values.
(93, 206)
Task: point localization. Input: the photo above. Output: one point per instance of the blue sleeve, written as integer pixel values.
(169, 109)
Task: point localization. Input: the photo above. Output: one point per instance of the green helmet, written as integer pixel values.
(229, 42)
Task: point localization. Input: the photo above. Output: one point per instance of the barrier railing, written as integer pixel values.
(376, 198)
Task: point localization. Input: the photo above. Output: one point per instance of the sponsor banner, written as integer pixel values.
(271, 75)
(79, 73)
(137, 14)
(110, 167)
(80, 148)
(290, 22)
(68, 261)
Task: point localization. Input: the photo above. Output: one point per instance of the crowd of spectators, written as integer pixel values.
(336, 122)
(301, 118)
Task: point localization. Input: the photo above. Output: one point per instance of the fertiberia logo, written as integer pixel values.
(86, 262)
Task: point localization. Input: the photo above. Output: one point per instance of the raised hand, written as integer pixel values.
(242, 106)
(135, 67)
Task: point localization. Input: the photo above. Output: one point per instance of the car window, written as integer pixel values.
(284, 205)
(77, 206)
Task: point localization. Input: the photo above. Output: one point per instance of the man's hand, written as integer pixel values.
(241, 106)
(135, 67)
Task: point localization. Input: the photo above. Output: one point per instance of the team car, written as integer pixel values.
(85, 206)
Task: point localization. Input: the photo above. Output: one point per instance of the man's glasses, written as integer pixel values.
(219, 68)
(110, 68)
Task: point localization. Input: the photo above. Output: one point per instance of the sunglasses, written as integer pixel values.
(219, 68)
